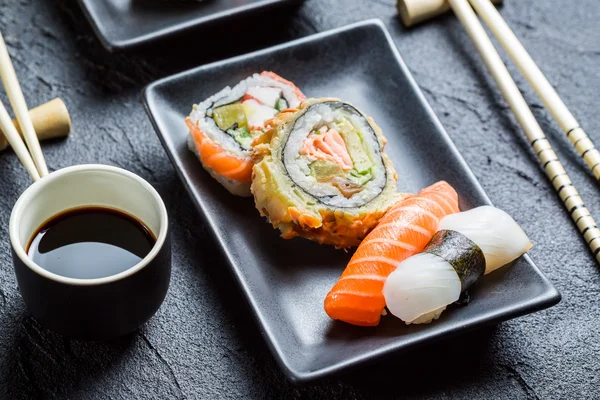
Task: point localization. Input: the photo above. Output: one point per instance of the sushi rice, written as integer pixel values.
(298, 167)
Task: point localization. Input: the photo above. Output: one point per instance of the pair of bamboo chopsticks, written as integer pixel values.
(34, 163)
(543, 149)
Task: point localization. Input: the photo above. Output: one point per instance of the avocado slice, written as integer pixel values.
(354, 144)
(325, 169)
(226, 116)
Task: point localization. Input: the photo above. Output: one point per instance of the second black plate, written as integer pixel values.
(122, 24)
(286, 281)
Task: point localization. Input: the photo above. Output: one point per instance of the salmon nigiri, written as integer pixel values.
(357, 298)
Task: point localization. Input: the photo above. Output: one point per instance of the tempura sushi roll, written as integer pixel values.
(224, 126)
(321, 173)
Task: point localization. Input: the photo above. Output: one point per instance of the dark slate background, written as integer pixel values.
(203, 342)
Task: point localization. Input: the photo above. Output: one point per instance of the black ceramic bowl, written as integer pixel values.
(99, 308)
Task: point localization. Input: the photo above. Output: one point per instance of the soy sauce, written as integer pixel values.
(90, 242)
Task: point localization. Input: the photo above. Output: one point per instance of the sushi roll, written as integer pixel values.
(321, 173)
(224, 126)
(467, 246)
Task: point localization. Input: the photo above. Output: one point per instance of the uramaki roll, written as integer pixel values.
(224, 126)
(321, 173)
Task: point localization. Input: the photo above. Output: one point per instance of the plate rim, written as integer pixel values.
(114, 45)
(550, 296)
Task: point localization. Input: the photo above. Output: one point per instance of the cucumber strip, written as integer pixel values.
(281, 104)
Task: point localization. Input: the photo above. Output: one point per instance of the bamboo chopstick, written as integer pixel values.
(543, 149)
(16, 143)
(538, 81)
(17, 101)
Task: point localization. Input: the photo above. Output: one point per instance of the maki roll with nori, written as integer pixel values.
(467, 246)
(321, 173)
(224, 126)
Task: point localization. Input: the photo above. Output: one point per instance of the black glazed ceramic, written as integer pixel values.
(96, 308)
(126, 24)
(97, 311)
(286, 281)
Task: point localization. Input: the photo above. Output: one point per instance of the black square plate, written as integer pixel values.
(286, 281)
(122, 24)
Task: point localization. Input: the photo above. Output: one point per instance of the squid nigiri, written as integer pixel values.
(467, 246)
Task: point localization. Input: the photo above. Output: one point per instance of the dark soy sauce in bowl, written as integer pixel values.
(90, 242)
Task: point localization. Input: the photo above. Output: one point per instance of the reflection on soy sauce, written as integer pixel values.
(90, 242)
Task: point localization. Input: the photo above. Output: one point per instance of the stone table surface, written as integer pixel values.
(203, 342)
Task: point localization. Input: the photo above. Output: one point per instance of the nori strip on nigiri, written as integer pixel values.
(461, 253)
(464, 299)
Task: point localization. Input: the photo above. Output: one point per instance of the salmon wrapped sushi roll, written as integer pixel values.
(321, 173)
(224, 126)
